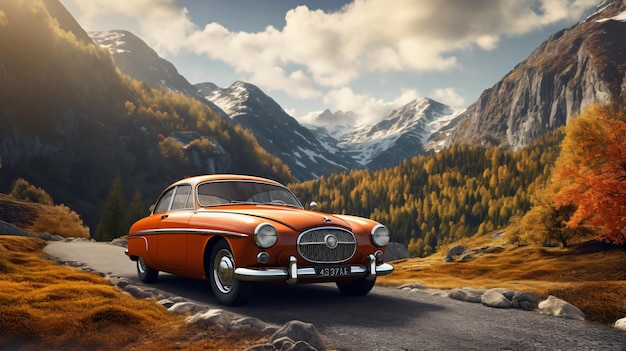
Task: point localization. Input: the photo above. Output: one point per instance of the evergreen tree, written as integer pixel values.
(113, 223)
(136, 210)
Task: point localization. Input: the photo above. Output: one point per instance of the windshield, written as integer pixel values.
(230, 192)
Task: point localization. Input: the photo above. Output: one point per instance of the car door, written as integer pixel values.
(172, 245)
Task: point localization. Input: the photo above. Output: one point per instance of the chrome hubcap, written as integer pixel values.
(224, 271)
(141, 265)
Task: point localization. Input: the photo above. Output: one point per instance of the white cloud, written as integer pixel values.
(448, 96)
(331, 50)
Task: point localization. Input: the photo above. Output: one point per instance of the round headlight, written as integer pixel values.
(265, 235)
(380, 235)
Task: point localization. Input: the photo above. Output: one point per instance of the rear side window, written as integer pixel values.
(182, 198)
(164, 202)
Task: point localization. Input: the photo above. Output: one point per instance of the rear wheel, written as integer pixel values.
(227, 289)
(359, 287)
(145, 273)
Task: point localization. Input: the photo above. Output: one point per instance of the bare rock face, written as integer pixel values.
(573, 69)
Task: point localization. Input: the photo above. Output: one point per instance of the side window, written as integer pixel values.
(181, 198)
(164, 202)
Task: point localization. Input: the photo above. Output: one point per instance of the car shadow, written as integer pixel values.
(320, 304)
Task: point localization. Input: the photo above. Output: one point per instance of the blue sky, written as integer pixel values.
(366, 56)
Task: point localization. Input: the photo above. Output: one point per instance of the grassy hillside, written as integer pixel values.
(591, 275)
(39, 218)
(53, 307)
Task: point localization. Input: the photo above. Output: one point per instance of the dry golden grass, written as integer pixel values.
(38, 218)
(592, 276)
(47, 306)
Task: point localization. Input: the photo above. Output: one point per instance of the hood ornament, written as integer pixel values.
(326, 219)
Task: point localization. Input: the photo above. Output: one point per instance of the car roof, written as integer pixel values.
(222, 177)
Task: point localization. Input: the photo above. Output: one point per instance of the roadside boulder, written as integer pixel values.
(495, 298)
(299, 331)
(525, 300)
(396, 251)
(466, 294)
(554, 306)
(620, 324)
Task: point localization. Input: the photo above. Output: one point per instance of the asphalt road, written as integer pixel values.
(386, 319)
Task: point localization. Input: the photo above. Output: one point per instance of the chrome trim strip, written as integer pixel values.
(188, 231)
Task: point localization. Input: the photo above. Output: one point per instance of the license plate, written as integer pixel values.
(332, 272)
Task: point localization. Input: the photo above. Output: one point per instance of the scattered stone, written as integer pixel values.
(525, 300)
(123, 241)
(188, 308)
(454, 251)
(297, 330)
(620, 324)
(167, 303)
(51, 237)
(213, 317)
(466, 294)
(495, 298)
(554, 306)
(396, 251)
(411, 286)
(10, 229)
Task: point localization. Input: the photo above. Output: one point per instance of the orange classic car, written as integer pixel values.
(235, 230)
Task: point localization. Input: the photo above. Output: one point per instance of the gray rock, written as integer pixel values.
(454, 251)
(495, 298)
(525, 300)
(213, 317)
(10, 229)
(189, 308)
(51, 237)
(396, 251)
(620, 324)
(248, 324)
(300, 331)
(466, 294)
(554, 306)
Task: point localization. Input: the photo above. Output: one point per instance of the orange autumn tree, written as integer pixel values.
(591, 172)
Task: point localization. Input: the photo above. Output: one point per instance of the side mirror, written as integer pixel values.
(313, 206)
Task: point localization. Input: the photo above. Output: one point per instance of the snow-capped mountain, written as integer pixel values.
(401, 134)
(331, 144)
(307, 156)
(135, 58)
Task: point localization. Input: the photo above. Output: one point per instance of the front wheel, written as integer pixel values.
(359, 287)
(227, 289)
(145, 273)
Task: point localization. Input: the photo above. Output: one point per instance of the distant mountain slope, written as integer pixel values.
(135, 58)
(574, 68)
(278, 132)
(401, 134)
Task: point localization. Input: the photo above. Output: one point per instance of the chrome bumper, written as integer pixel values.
(291, 274)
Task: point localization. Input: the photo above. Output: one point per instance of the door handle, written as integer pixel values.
(163, 216)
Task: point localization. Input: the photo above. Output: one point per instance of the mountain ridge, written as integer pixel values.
(572, 69)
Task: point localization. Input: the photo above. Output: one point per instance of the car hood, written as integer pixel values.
(295, 218)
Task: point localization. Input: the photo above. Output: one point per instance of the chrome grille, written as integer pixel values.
(313, 248)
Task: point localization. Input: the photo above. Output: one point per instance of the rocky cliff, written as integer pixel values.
(573, 69)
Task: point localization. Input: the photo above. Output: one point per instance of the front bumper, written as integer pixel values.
(292, 274)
